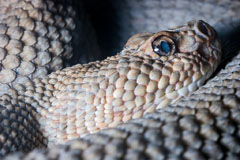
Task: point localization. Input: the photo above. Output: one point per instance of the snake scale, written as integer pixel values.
(153, 73)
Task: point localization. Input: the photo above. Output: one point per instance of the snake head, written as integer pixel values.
(193, 38)
(186, 55)
(195, 41)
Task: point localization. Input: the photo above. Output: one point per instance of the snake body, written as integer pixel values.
(142, 78)
(203, 125)
(86, 98)
(38, 37)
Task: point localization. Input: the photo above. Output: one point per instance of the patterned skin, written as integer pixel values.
(152, 71)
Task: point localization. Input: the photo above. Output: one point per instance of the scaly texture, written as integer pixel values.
(204, 125)
(152, 71)
(36, 38)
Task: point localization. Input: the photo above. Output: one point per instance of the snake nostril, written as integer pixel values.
(203, 28)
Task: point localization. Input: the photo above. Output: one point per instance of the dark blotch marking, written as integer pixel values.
(203, 28)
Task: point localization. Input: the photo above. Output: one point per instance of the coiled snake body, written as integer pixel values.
(151, 72)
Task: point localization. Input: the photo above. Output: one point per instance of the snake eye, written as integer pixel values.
(163, 46)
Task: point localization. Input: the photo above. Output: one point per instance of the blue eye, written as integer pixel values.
(161, 47)
(164, 46)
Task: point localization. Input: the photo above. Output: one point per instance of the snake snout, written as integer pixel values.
(204, 30)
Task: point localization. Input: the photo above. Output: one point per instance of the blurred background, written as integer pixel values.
(116, 20)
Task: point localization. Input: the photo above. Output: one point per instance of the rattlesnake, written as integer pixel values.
(140, 58)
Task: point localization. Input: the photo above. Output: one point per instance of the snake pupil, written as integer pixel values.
(164, 46)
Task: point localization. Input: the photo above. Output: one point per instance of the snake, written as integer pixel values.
(152, 73)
